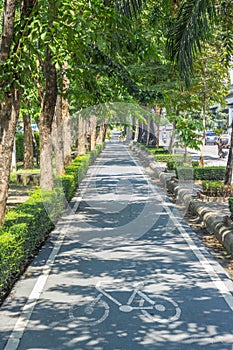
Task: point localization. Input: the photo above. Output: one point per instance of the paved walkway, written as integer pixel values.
(121, 271)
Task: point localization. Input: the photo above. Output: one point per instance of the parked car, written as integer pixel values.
(210, 138)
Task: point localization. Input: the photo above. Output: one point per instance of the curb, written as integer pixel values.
(216, 224)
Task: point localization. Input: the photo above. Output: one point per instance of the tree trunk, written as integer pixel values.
(88, 134)
(102, 132)
(7, 28)
(81, 136)
(136, 134)
(28, 143)
(133, 127)
(45, 123)
(9, 107)
(67, 137)
(66, 120)
(159, 115)
(228, 174)
(140, 131)
(58, 137)
(185, 154)
(172, 139)
(201, 160)
(35, 149)
(9, 112)
(148, 131)
(93, 129)
(13, 161)
(152, 137)
(157, 136)
(144, 133)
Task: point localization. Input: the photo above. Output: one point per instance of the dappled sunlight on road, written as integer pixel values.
(130, 274)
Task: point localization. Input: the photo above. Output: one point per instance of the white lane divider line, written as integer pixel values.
(27, 310)
(23, 320)
(206, 264)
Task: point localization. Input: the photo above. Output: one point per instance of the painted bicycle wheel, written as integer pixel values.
(164, 309)
(89, 312)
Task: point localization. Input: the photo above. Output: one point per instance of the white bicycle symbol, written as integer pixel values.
(158, 308)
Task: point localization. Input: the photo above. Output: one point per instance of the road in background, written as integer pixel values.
(211, 156)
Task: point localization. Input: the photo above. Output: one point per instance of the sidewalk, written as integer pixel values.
(121, 271)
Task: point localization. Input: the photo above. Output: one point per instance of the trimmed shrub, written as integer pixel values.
(68, 185)
(11, 257)
(19, 142)
(230, 202)
(216, 189)
(195, 163)
(37, 138)
(28, 224)
(177, 158)
(156, 150)
(184, 173)
(75, 171)
(163, 157)
(161, 151)
(209, 173)
(24, 230)
(141, 146)
(171, 165)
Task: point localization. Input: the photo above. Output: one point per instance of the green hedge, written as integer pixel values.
(171, 165)
(68, 185)
(28, 224)
(177, 158)
(230, 202)
(24, 230)
(205, 173)
(156, 150)
(141, 145)
(37, 138)
(195, 163)
(209, 173)
(185, 173)
(163, 157)
(216, 189)
(19, 142)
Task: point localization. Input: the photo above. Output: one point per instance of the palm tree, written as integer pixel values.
(193, 25)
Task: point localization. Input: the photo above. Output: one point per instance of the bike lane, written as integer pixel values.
(122, 270)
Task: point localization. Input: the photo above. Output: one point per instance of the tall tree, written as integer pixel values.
(28, 162)
(191, 28)
(10, 85)
(45, 122)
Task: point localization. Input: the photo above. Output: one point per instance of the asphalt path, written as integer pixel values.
(121, 270)
(211, 156)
